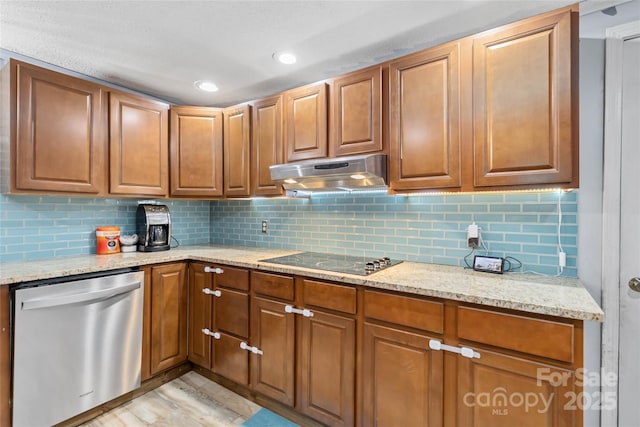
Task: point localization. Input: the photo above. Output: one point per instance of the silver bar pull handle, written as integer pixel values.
(215, 335)
(84, 297)
(215, 293)
(254, 350)
(215, 270)
(463, 351)
(291, 309)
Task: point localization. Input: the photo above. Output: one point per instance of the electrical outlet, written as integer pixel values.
(265, 225)
(473, 236)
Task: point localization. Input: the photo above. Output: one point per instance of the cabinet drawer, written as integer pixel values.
(327, 295)
(273, 285)
(538, 337)
(234, 278)
(407, 311)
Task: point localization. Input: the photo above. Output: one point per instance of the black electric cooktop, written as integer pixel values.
(349, 264)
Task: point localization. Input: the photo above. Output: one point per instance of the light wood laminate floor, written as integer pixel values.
(191, 400)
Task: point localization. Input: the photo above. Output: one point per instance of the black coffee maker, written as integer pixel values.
(154, 227)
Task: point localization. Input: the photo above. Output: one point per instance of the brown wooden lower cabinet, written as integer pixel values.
(231, 312)
(498, 390)
(231, 321)
(365, 357)
(168, 316)
(219, 319)
(525, 374)
(273, 332)
(358, 356)
(402, 380)
(229, 359)
(326, 368)
(199, 315)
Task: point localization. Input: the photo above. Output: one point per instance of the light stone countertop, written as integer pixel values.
(555, 296)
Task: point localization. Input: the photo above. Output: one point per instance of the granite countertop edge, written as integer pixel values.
(555, 296)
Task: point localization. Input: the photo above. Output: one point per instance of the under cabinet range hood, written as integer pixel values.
(367, 172)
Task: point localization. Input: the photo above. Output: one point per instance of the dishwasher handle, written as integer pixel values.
(102, 294)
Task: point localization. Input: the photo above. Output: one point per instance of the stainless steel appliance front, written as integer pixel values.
(153, 222)
(77, 345)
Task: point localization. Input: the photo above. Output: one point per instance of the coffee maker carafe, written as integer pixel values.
(154, 227)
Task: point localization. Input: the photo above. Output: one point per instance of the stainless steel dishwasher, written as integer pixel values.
(76, 344)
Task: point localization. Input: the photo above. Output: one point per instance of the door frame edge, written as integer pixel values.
(611, 195)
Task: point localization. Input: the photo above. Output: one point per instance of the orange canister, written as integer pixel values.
(107, 240)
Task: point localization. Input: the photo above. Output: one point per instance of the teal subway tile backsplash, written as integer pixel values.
(33, 227)
(424, 228)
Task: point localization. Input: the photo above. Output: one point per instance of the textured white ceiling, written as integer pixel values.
(162, 47)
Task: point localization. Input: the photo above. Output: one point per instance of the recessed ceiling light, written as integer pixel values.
(206, 86)
(285, 57)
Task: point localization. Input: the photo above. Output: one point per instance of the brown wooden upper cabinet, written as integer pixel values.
(58, 135)
(424, 119)
(138, 145)
(525, 103)
(266, 145)
(237, 139)
(306, 122)
(356, 113)
(195, 148)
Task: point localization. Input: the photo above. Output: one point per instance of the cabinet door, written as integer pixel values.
(60, 140)
(200, 316)
(498, 390)
(424, 119)
(139, 145)
(5, 358)
(272, 331)
(237, 137)
(326, 378)
(168, 316)
(524, 82)
(306, 122)
(229, 359)
(404, 385)
(356, 109)
(231, 311)
(196, 151)
(267, 145)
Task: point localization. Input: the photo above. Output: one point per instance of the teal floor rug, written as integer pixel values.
(266, 418)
